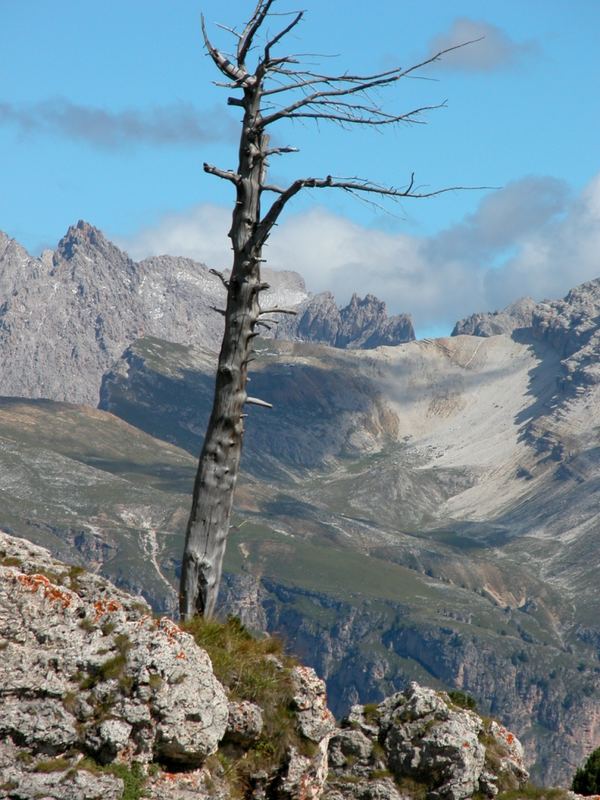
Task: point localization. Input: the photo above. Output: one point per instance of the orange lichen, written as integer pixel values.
(103, 607)
(52, 592)
(171, 631)
(181, 655)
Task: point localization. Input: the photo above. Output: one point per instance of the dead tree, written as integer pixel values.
(275, 88)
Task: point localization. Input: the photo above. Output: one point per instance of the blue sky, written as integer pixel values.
(107, 112)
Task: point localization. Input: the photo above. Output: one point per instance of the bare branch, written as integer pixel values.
(252, 26)
(239, 75)
(268, 187)
(277, 151)
(279, 311)
(229, 30)
(218, 310)
(226, 174)
(357, 85)
(220, 276)
(351, 185)
(256, 401)
(280, 36)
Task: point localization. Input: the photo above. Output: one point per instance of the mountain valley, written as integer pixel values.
(421, 511)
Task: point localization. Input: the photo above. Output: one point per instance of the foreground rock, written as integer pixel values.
(101, 699)
(418, 742)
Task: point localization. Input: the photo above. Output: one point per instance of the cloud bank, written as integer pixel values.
(529, 239)
(177, 124)
(496, 50)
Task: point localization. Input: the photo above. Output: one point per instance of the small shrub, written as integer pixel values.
(155, 681)
(380, 774)
(530, 792)
(11, 561)
(112, 668)
(370, 713)
(108, 628)
(133, 776)
(74, 574)
(462, 699)
(412, 788)
(587, 778)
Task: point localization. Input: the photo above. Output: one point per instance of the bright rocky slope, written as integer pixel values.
(424, 512)
(101, 700)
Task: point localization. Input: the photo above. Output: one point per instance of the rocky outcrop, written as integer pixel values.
(87, 671)
(515, 316)
(363, 323)
(420, 740)
(571, 326)
(99, 695)
(102, 700)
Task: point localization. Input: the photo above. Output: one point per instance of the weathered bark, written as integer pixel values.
(218, 467)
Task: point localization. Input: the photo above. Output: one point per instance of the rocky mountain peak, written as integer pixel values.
(363, 323)
(16, 265)
(84, 239)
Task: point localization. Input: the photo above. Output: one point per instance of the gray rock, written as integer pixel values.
(245, 722)
(429, 745)
(429, 742)
(314, 719)
(97, 672)
(349, 743)
(303, 777)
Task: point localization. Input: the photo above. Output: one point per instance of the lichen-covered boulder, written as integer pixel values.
(419, 743)
(430, 742)
(86, 668)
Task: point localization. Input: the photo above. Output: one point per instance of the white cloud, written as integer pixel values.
(496, 49)
(526, 239)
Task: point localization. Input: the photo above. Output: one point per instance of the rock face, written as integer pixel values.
(569, 325)
(362, 324)
(95, 690)
(515, 316)
(101, 700)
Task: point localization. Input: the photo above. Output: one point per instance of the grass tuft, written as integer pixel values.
(52, 765)
(257, 670)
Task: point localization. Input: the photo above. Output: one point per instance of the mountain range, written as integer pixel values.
(66, 316)
(409, 510)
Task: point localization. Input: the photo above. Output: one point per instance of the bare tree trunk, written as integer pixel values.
(218, 467)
